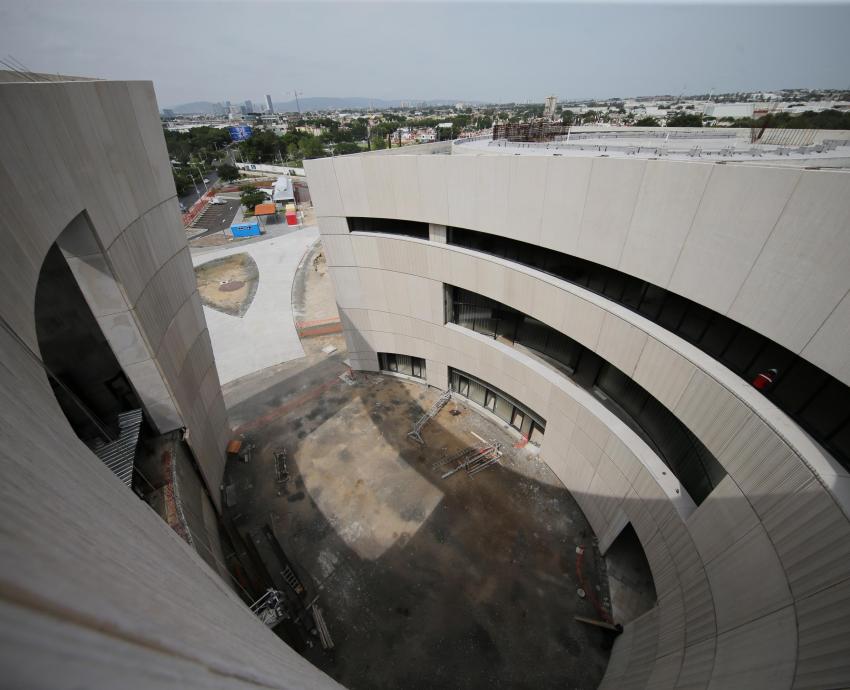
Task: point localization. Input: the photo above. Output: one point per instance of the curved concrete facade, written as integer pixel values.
(754, 584)
(766, 246)
(94, 586)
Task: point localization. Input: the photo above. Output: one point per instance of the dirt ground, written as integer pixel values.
(228, 284)
(313, 299)
(424, 582)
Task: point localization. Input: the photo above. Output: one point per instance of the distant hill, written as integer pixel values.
(194, 108)
(315, 103)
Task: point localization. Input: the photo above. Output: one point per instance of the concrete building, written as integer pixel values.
(612, 306)
(100, 312)
(269, 104)
(615, 299)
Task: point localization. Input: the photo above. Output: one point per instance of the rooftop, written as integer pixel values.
(799, 148)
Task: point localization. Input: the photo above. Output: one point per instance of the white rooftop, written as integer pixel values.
(820, 148)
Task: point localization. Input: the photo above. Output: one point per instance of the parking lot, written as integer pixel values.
(215, 218)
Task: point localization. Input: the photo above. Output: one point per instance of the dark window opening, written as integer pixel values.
(402, 364)
(800, 390)
(630, 583)
(686, 456)
(390, 226)
(531, 425)
(86, 378)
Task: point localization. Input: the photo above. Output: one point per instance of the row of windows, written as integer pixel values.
(502, 405)
(818, 402)
(692, 463)
(402, 364)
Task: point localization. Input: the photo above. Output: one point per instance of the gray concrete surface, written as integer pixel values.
(265, 335)
(425, 583)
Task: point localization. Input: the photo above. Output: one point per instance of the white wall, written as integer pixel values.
(769, 247)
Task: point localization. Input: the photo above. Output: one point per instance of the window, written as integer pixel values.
(685, 455)
(402, 364)
(739, 348)
(389, 226)
(500, 404)
(518, 419)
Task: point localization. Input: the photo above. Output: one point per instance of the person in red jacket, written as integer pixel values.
(765, 379)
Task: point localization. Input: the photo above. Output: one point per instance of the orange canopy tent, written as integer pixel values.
(264, 210)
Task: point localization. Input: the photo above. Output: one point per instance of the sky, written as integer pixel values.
(215, 51)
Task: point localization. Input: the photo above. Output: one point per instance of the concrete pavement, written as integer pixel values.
(266, 334)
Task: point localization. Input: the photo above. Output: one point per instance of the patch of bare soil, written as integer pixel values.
(228, 284)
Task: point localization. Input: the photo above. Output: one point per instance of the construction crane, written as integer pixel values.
(297, 102)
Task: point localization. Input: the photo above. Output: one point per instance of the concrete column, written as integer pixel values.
(437, 233)
(437, 374)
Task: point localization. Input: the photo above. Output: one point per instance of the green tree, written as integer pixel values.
(346, 147)
(228, 172)
(311, 147)
(251, 196)
(182, 182)
(460, 121)
(568, 117)
(647, 121)
(682, 119)
(262, 147)
(357, 128)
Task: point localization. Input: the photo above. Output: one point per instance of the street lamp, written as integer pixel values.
(201, 176)
(192, 177)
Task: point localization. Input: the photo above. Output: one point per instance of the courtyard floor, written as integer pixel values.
(464, 582)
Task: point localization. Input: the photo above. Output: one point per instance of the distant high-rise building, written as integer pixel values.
(549, 109)
(269, 103)
(167, 113)
(218, 109)
(249, 107)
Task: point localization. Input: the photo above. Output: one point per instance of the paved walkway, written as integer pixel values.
(266, 334)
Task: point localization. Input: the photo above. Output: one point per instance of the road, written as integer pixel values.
(189, 199)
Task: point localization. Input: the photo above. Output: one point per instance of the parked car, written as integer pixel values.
(216, 200)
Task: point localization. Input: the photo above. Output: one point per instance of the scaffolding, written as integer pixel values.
(416, 432)
(473, 459)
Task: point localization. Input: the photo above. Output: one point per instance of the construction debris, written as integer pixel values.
(270, 608)
(605, 625)
(280, 470)
(322, 627)
(473, 459)
(416, 433)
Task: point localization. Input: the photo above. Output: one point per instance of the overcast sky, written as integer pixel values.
(195, 50)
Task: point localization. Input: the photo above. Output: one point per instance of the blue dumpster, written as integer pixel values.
(245, 229)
